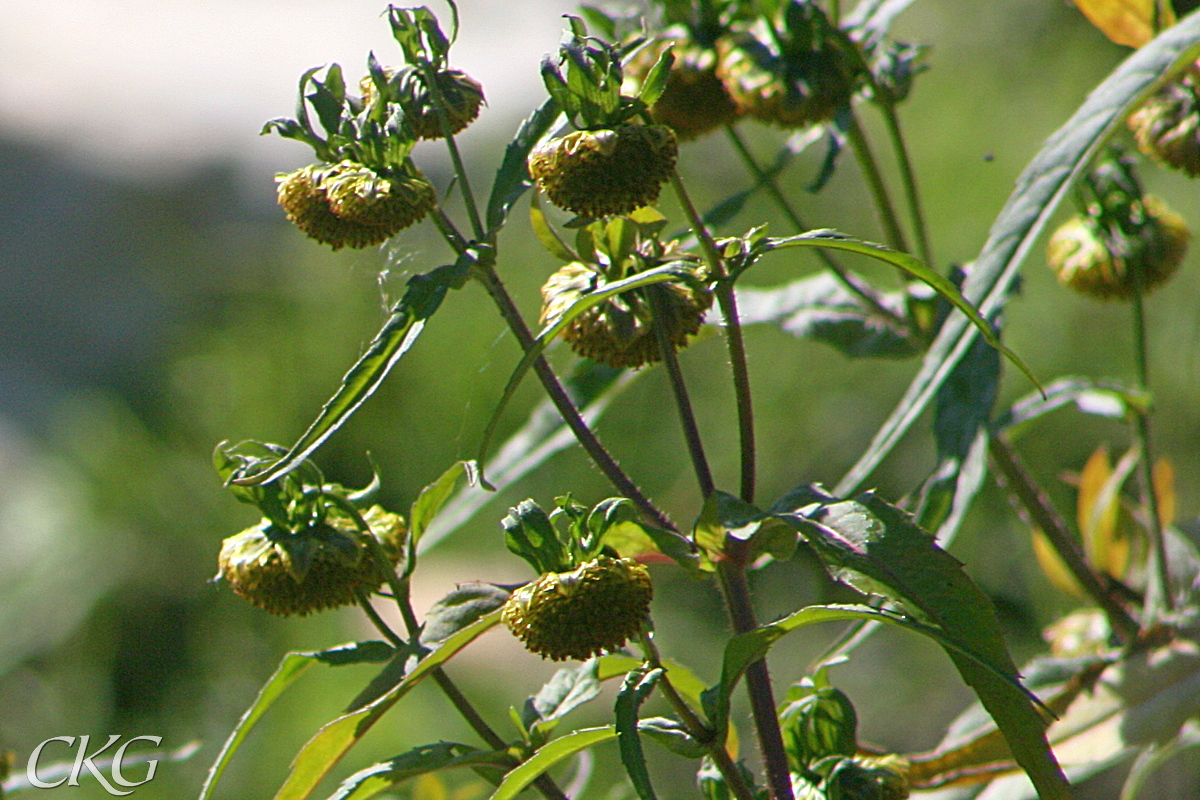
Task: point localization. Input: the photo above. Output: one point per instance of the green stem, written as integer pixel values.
(687, 418)
(854, 284)
(439, 103)
(1042, 514)
(909, 179)
(732, 573)
(377, 621)
(696, 727)
(733, 338)
(879, 191)
(566, 408)
(1158, 585)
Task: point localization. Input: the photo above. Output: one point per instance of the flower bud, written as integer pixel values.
(325, 565)
(605, 172)
(694, 100)
(581, 613)
(1083, 257)
(619, 331)
(1167, 127)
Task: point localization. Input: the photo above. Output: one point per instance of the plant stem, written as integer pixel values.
(696, 727)
(687, 418)
(587, 439)
(733, 338)
(439, 103)
(854, 284)
(400, 594)
(1041, 513)
(909, 179)
(377, 621)
(732, 573)
(879, 191)
(1158, 584)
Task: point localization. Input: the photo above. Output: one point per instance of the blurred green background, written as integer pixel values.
(153, 302)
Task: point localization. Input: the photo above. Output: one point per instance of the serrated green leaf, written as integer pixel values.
(419, 761)
(655, 82)
(834, 240)
(324, 750)
(661, 274)
(545, 758)
(405, 323)
(1047, 179)
(1103, 398)
(289, 670)
(868, 537)
(568, 689)
(672, 735)
(512, 177)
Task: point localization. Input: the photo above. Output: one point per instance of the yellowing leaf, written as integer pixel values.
(1164, 489)
(429, 787)
(1054, 568)
(1096, 518)
(1127, 22)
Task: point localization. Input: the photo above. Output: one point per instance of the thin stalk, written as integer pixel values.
(687, 418)
(1041, 512)
(854, 284)
(377, 621)
(733, 338)
(586, 438)
(758, 679)
(696, 727)
(400, 594)
(439, 103)
(879, 190)
(911, 195)
(448, 229)
(1158, 585)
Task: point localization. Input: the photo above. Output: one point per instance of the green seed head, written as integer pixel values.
(578, 614)
(1167, 127)
(1081, 257)
(619, 331)
(606, 172)
(323, 566)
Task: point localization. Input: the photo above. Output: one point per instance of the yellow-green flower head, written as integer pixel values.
(463, 97)
(606, 172)
(1167, 127)
(578, 614)
(619, 331)
(322, 566)
(806, 90)
(695, 100)
(349, 205)
(1080, 255)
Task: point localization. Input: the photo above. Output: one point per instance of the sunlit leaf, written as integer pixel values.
(1127, 22)
(422, 760)
(512, 177)
(1065, 156)
(1164, 489)
(638, 685)
(431, 499)
(546, 234)
(324, 750)
(289, 670)
(546, 757)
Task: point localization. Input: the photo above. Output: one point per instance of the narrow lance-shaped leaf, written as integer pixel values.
(638, 685)
(545, 758)
(422, 760)
(1041, 187)
(660, 274)
(512, 177)
(325, 749)
(399, 332)
(834, 240)
(869, 538)
(290, 668)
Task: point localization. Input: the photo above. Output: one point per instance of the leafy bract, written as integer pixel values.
(403, 326)
(512, 178)
(1041, 187)
(325, 749)
(289, 670)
